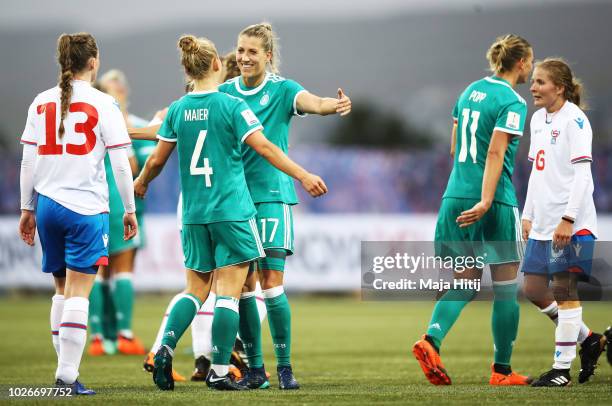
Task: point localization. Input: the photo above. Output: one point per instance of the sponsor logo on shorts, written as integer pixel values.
(105, 240)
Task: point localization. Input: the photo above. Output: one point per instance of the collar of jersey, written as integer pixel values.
(498, 80)
(200, 92)
(80, 82)
(253, 90)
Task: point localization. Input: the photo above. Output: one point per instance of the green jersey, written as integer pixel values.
(274, 103)
(486, 105)
(209, 128)
(142, 150)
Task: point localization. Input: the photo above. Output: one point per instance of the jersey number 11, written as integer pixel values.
(473, 144)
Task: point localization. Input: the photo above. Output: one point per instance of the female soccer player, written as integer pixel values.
(69, 130)
(274, 100)
(559, 216)
(480, 206)
(219, 231)
(112, 296)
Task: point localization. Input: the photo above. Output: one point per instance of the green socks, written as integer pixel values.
(96, 309)
(447, 311)
(123, 296)
(279, 318)
(224, 330)
(250, 329)
(180, 317)
(504, 320)
(109, 315)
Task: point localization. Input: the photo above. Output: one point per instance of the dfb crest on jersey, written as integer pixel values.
(264, 99)
(554, 134)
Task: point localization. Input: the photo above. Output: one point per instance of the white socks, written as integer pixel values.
(201, 328)
(566, 335)
(72, 337)
(162, 327)
(552, 311)
(57, 308)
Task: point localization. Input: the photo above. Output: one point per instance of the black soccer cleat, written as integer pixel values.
(555, 378)
(590, 350)
(162, 369)
(608, 334)
(286, 380)
(255, 378)
(216, 382)
(76, 388)
(202, 366)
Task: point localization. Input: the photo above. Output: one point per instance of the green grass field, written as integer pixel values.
(345, 352)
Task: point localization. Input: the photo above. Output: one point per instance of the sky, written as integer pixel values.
(121, 16)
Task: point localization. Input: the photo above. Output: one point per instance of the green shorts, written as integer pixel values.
(275, 225)
(116, 244)
(215, 245)
(496, 236)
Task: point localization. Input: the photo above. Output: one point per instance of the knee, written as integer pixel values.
(534, 292)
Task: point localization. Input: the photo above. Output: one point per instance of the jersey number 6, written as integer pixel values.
(205, 170)
(473, 145)
(51, 147)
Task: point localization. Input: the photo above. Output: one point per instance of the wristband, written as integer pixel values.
(568, 219)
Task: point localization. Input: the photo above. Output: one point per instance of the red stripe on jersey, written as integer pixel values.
(118, 145)
(102, 261)
(584, 231)
(530, 159)
(582, 158)
(28, 142)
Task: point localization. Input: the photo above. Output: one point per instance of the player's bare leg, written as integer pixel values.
(504, 323)
(445, 313)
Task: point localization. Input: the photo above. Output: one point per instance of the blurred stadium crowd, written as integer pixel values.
(360, 180)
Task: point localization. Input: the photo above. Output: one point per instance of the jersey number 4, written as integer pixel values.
(205, 170)
(463, 152)
(51, 147)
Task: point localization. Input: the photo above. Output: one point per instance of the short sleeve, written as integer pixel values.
(580, 137)
(166, 131)
(245, 122)
(29, 133)
(511, 118)
(112, 126)
(292, 91)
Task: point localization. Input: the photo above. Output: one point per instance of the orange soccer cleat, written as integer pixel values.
(430, 362)
(130, 346)
(96, 347)
(513, 379)
(148, 366)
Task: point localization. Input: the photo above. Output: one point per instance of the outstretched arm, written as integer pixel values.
(154, 165)
(313, 184)
(144, 133)
(309, 103)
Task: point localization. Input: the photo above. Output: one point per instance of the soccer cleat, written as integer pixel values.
(130, 346)
(286, 380)
(77, 388)
(216, 382)
(96, 347)
(512, 379)
(110, 346)
(590, 350)
(148, 366)
(430, 362)
(608, 334)
(555, 378)
(202, 366)
(238, 357)
(162, 369)
(256, 378)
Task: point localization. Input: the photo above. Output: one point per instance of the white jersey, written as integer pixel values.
(70, 170)
(558, 141)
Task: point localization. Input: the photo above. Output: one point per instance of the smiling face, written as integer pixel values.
(251, 57)
(544, 91)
